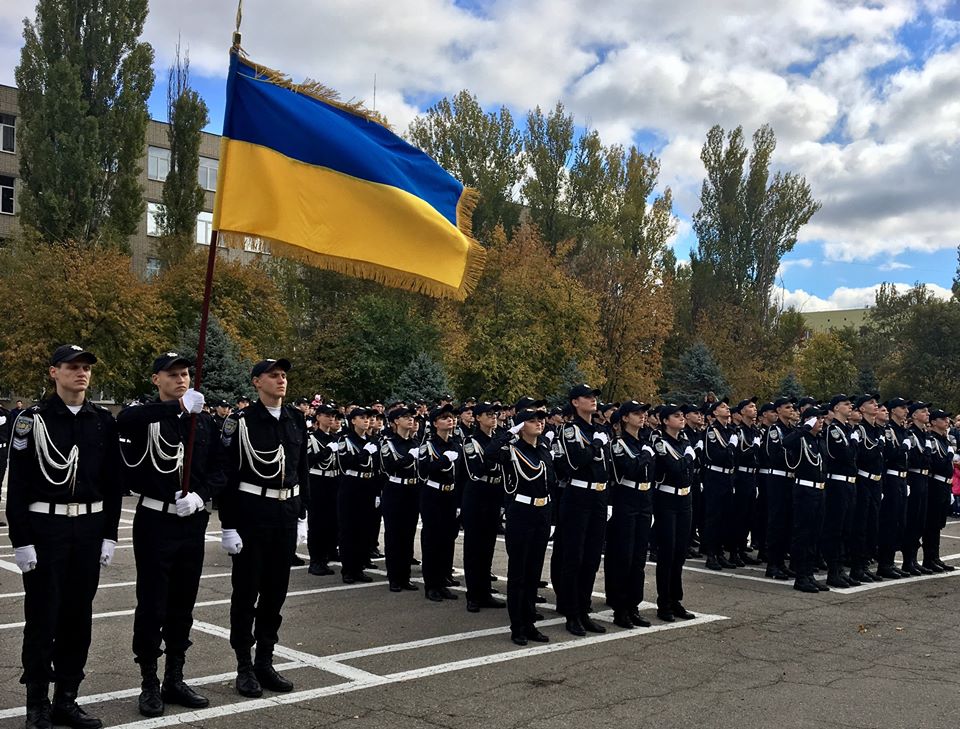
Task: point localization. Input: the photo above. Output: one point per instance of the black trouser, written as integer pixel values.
(438, 535)
(401, 508)
(355, 503)
(916, 515)
(717, 493)
(169, 553)
(674, 516)
(260, 577)
(807, 522)
(741, 510)
(583, 519)
(779, 506)
(375, 516)
(528, 528)
(322, 520)
(58, 605)
(758, 523)
(628, 534)
(698, 526)
(481, 517)
(866, 516)
(837, 517)
(893, 514)
(938, 504)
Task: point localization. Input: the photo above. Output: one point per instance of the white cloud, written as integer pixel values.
(844, 297)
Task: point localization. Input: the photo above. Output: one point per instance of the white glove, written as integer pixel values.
(376, 502)
(335, 447)
(756, 441)
(451, 455)
(930, 445)
(26, 558)
(602, 437)
(550, 435)
(370, 448)
(688, 451)
(106, 552)
(192, 401)
(516, 428)
(231, 541)
(609, 512)
(734, 440)
(188, 504)
(907, 445)
(855, 436)
(416, 451)
(810, 422)
(301, 531)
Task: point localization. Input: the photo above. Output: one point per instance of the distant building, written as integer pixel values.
(155, 163)
(823, 321)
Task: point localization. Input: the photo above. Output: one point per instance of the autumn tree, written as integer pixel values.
(826, 366)
(84, 78)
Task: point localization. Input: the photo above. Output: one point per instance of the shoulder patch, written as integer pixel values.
(229, 427)
(385, 449)
(23, 426)
(570, 433)
(837, 434)
(469, 448)
(661, 447)
(618, 448)
(711, 435)
(774, 433)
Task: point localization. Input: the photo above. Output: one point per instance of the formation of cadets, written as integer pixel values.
(840, 486)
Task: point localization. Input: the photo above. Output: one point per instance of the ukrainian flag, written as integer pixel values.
(329, 184)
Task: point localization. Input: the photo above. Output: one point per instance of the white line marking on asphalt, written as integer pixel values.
(9, 566)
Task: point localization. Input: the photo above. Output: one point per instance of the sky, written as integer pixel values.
(864, 97)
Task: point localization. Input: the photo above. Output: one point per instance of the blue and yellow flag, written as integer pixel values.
(329, 184)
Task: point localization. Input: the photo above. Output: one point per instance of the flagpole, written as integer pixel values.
(201, 349)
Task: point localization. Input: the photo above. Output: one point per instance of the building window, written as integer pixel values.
(207, 173)
(158, 163)
(204, 228)
(153, 267)
(6, 195)
(153, 228)
(8, 133)
(255, 245)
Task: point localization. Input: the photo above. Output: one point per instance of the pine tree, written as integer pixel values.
(867, 380)
(570, 375)
(791, 386)
(226, 374)
(84, 78)
(696, 374)
(424, 378)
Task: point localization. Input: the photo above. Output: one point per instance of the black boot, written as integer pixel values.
(38, 706)
(66, 711)
(175, 690)
(247, 683)
(266, 674)
(150, 703)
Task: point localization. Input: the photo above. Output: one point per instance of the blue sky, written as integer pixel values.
(861, 96)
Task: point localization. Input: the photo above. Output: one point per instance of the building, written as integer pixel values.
(824, 321)
(155, 164)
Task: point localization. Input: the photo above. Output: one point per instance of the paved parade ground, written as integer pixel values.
(759, 654)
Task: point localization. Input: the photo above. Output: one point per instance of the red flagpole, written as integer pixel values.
(201, 348)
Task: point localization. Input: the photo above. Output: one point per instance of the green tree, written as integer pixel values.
(696, 374)
(482, 150)
(226, 372)
(422, 378)
(84, 78)
(182, 197)
(791, 386)
(956, 277)
(867, 379)
(570, 376)
(826, 366)
(548, 146)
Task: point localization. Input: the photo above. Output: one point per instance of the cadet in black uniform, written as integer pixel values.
(355, 498)
(779, 490)
(672, 511)
(322, 446)
(943, 448)
(482, 500)
(893, 506)
(263, 513)
(767, 416)
(870, 469)
(918, 470)
(720, 444)
(401, 497)
(628, 530)
(438, 503)
(527, 462)
(63, 507)
(806, 460)
(578, 546)
(744, 498)
(169, 530)
(840, 463)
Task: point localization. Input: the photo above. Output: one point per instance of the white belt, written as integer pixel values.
(785, 474)
(871, 476)
(674, 490)
(941, 479)
(405, 481)
(747, 469)
(720, 469)
(281, 494)
(521, 499)
(764, 471)
(321, 472)
(841, 477)
(358, 474)
(440, 486)
(593, 486)
(42, 507)
(811, 484)
(920, 471)
(642, 486)
(156, 505)
(898, 474)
